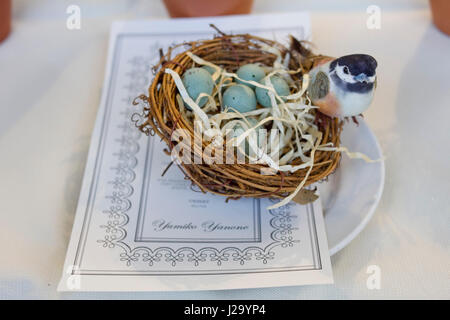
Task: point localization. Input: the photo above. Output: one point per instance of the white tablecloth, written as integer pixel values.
(50, 85)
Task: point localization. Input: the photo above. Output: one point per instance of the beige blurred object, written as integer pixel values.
(440, 10)
(5, 19)
(204, 8)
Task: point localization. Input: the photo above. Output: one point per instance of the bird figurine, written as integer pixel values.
(343, 87)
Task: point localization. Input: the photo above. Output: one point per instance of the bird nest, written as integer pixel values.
(309, 140)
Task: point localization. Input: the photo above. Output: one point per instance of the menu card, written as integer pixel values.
(138, 230)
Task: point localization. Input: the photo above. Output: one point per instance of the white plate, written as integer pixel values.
(351, 194)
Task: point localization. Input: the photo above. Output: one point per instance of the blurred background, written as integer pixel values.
(51, 73)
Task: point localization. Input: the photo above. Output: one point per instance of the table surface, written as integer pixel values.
(50, 89)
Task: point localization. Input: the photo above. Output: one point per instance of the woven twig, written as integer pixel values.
(162, 116)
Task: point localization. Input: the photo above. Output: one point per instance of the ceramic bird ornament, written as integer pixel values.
(343, 87)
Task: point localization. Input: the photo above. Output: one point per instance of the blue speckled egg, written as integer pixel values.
(250, 72)
(196, 81)
(279, 84)
(240, 98)
(211, 71)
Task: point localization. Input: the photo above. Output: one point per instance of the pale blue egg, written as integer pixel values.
(211, 71)
(197, 81)
(250, 72)
(240, 98)
(279, 84)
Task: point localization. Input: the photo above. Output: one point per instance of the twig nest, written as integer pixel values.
(250, 72)
(196, 82)
(281, 88)
(303, 154)
(239, 98)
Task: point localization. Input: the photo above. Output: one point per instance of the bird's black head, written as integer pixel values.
(355, 72)
(357, 64)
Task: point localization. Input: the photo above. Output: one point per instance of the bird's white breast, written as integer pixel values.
(352, 103)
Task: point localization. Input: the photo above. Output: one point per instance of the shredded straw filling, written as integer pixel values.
(289, 114)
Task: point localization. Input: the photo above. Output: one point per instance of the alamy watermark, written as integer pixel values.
(373, 21)
(73, 281)
(374, 279)
(73, 21)
(230, 146)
